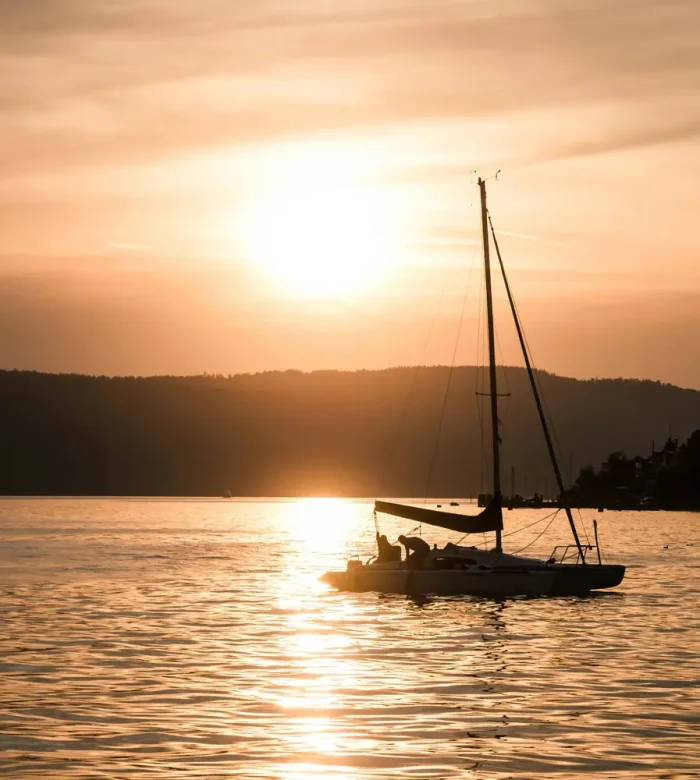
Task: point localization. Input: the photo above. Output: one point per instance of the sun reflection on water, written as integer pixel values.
(320, 531)
(317, 645)
(320, 523)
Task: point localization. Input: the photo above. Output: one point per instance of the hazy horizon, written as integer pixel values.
(228, 187)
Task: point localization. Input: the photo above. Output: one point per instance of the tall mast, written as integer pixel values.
(492, 361)
(538, 402)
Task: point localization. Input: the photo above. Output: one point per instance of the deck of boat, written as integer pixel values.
(469, 571)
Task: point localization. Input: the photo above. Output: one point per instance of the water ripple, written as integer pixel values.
(193, 639)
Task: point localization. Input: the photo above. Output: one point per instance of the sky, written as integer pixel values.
(224, 186)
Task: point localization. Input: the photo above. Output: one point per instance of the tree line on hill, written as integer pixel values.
(668, 478)
(412, 432)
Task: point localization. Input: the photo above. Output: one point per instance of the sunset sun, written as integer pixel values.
(321, 232)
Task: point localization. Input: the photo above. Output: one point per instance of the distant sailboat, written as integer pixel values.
(456, 569)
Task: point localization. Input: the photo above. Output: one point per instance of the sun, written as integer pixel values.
(320, 231)
(320, 241)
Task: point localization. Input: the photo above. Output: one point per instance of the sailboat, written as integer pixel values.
(572, 570)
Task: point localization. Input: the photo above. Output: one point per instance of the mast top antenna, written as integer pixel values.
(490, 178)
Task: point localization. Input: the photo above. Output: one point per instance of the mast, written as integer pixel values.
(538, 402)
(493, 390)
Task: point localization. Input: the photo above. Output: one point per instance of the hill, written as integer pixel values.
(360, 433)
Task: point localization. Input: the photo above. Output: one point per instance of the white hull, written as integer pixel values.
(472, 572)
(488, 584)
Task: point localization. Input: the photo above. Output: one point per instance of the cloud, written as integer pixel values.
(630, 138)
(128, 247)
(529, 237)
(135, 79)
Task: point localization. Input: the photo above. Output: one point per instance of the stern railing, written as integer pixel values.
(571, 553)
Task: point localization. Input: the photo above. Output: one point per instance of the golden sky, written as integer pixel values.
(225, 186)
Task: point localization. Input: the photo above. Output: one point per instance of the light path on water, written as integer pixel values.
(192, 639)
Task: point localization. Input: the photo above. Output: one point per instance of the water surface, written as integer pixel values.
(191, 639)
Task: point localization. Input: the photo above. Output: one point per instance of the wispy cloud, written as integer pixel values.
(529, 237)
(657, 130)
(127, 246)
(139, 78)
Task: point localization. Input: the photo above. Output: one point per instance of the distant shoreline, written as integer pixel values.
(471, 502)
(240, 499)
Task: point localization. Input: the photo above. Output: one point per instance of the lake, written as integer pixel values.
(192, 639)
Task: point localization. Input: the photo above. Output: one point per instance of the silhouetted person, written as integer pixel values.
(416, 550)
(386, 551)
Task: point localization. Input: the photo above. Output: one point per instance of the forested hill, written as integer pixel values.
(361, 433)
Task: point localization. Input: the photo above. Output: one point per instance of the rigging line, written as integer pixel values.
(503, 374)
(550, 420)
(529, 544)
(536, 371)
(479, 386)
(540, 389)
(548, 414)
(538, 402)
(502, 382)
(583, 525)
(500, 364)
(538, 381)
(409, 393)
(376, 523)
(600, 550)
(479, 411)
(449, 378)
(478, 380)
(529, 525)
(517, 530)
(483, 347)
(484, 540)
(404, 407)
(487, 453)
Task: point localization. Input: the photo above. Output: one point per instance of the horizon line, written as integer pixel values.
(398, 367)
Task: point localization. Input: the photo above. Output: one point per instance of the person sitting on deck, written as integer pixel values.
(387, 552)
(417, 551)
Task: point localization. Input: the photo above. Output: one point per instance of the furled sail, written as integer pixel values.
(491, 519)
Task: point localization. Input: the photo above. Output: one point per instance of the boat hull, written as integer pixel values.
(487, 584)
(555, 580)
(605, 576)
